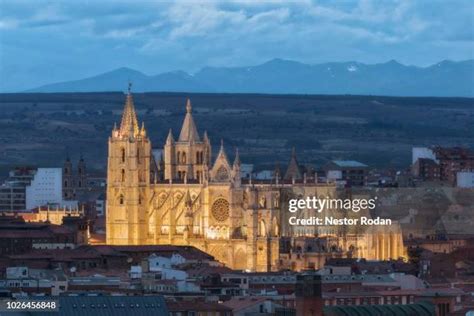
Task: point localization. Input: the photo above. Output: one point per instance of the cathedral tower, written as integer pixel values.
(128, 179)
(68, 180)
(186, 157)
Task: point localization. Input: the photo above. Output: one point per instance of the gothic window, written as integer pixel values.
(179, 157)
(197, 158)
(123, 154)
(66, 171)
(222, 174)
(123, 175)
(183, 157)
(80, 170)
(65, 183)
(201, 157)
(262, 231)
(140, 199)
(121, 199)
(263, 202)
(80, 184)
(220, 209)
(138, 155)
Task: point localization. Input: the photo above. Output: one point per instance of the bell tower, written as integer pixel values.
(128, 180)
(186, 157)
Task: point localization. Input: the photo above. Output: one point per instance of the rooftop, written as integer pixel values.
(350, 163)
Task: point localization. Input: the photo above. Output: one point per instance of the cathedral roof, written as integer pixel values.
(129, 124)
(188, 131)
(293, 170)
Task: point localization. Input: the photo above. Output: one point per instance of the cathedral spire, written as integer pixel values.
(293, 171)
(189, 108)
(237, 158)
(129, 124)
(170, 138)
(188, 130)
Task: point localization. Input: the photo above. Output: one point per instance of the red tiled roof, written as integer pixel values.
(57, 255)
(205, 270)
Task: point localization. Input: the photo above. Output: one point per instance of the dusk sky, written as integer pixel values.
(43, 41)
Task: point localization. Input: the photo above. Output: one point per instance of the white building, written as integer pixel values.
(465, 179)
(46, 188)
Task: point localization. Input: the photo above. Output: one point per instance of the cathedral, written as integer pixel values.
(187, 197)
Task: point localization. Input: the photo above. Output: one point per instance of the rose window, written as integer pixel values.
(220, 210)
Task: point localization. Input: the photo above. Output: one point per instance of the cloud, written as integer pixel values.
(73, 39)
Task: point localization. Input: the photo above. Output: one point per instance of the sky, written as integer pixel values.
(52, 41)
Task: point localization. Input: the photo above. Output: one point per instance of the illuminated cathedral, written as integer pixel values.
(185, 197)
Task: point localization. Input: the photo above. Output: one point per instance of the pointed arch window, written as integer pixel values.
(183, 157)
(123, 175)
(138, 155)
(123, 154)
(179, 157)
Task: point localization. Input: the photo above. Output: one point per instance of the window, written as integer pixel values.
(123, 154)
(121, 199)
(123, 175)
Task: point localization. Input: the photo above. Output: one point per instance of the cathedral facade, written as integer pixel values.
(185, 197)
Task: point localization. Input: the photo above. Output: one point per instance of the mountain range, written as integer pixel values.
(278, 76)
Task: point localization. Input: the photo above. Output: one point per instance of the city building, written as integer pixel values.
(353, 172)
(18, 236)
(187, 198)
(46, 188)
(36, 281)
(426, 169)
(450, 160)
(74, 182)
(13, 190)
